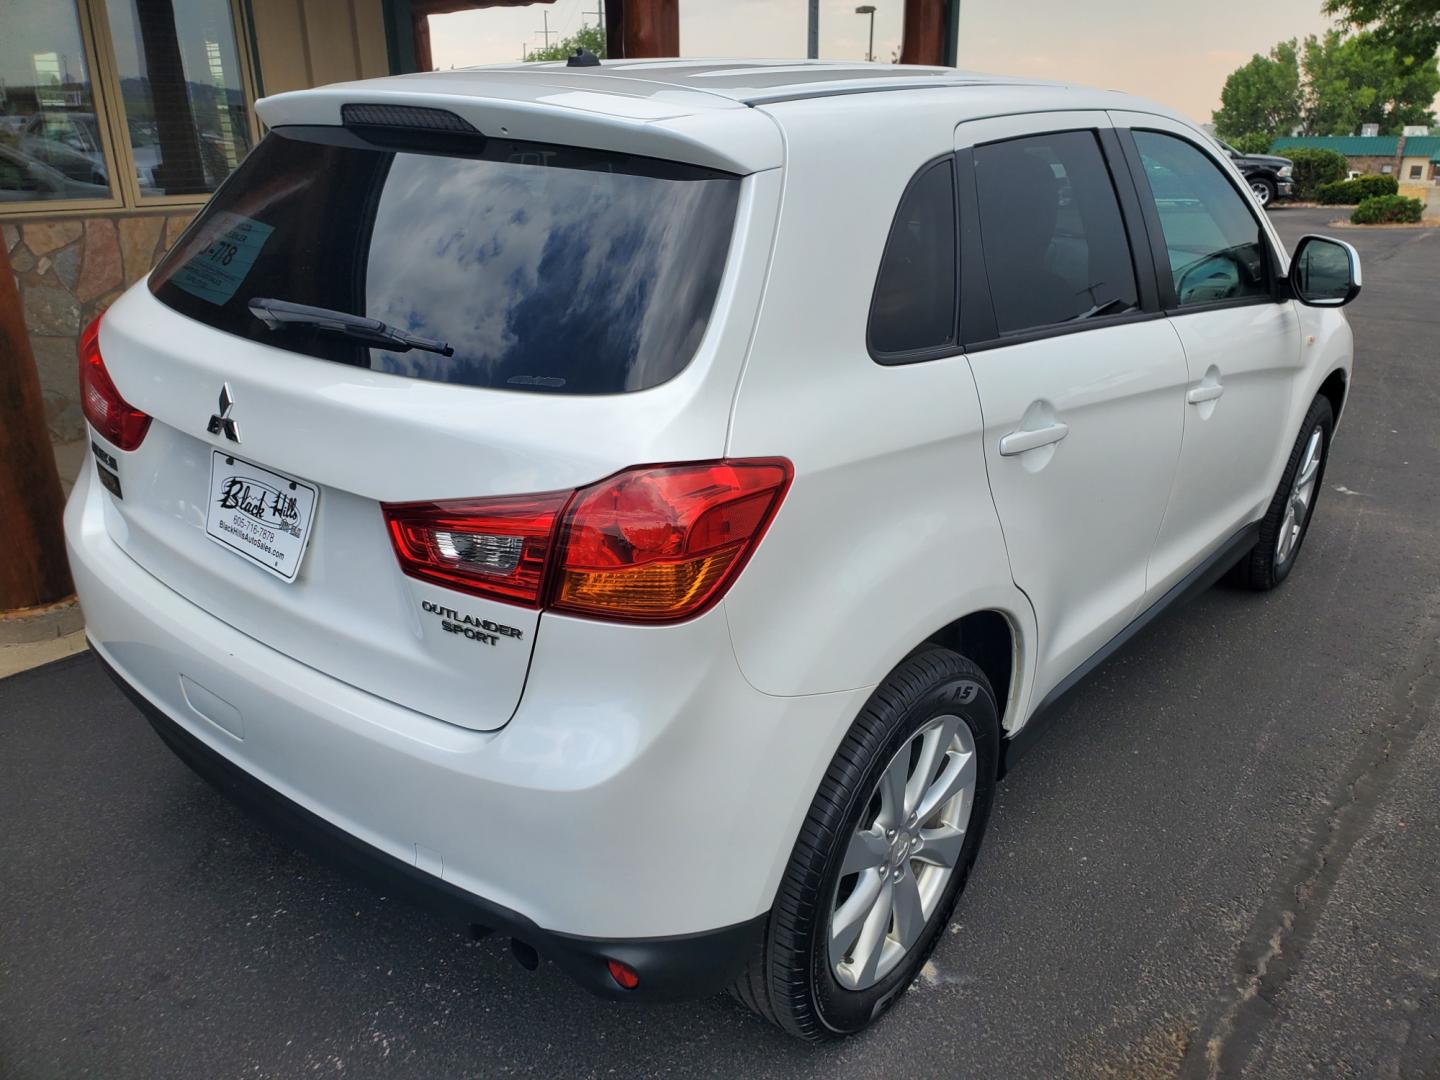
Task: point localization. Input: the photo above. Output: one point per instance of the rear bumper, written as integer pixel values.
(687, 965)
(641, 805)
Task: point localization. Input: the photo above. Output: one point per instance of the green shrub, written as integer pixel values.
(1314, 168)
(1347, 192)
(1388, 209)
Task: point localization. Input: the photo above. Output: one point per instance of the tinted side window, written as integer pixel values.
(1215, 244)
(914, 304)
(1054, 242)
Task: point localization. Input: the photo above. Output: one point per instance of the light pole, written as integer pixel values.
(869, 9)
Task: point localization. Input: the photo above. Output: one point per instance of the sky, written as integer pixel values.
(1175, 53)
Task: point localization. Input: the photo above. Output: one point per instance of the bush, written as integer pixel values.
(1253, 143)
(1387, 210)
(1349, 192)
(1314, 168)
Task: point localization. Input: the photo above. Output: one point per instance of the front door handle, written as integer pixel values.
(1202, 394)
(1017, 442)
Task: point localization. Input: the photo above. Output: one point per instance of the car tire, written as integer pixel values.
(1264, 190)
(796, 978)
(1286, 523)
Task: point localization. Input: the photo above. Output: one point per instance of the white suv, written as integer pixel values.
(644, 508)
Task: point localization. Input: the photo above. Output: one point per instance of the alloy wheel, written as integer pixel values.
(1262, 192)
(903, 853)
(1302, 497)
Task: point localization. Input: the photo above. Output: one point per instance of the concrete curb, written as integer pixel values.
(42, 623)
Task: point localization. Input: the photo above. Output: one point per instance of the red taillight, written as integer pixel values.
(664, 543)
(114, 418)
(490, 547)
(650, 544)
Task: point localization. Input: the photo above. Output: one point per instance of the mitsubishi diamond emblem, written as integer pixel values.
(221, 421)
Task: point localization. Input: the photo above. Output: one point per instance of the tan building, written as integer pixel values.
(118, 118)
(1411, 159)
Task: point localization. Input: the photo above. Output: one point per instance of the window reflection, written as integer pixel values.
(185, 109)
(50, 144)
(545, 268)
(1214, 242)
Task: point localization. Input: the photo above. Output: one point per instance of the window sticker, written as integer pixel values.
(215, 272)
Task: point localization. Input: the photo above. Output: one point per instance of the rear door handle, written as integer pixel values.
(1017, 442)
(1202, 394)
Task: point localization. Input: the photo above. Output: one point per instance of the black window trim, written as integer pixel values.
(953, 347)
(1160, 254)
(979, 331)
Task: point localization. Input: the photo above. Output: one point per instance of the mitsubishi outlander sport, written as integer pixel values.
(645, 507)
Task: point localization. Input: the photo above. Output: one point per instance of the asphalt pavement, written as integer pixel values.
(1223, 860)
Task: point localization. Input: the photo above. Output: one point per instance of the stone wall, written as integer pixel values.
(69, 270)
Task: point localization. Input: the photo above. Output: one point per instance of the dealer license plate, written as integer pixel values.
(261, 515)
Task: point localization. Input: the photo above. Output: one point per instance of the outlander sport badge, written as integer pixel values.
(221, 421)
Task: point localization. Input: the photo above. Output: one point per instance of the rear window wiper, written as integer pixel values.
(278, 314)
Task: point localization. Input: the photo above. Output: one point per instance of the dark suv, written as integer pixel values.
(1270, 177)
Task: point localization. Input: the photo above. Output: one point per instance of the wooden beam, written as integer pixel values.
(33, 568)
(641, 28)
(420, 34)
(925, 31)
(615, 29)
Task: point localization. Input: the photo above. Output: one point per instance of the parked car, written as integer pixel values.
(1270, 177)
(22, 178)
(67, 143)
(649, 531)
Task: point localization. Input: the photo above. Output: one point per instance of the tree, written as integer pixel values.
(1354, 79)
(1254, 142)
(1412, 26)
(1263, 97)
(589, 38)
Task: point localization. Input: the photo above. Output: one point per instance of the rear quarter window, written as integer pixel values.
(544, 268)
(912, 312)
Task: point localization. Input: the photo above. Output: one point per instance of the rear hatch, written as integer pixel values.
(570, 312)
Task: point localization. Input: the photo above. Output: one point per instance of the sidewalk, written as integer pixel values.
(69, 457)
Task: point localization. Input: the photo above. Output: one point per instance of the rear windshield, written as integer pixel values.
(541, 268)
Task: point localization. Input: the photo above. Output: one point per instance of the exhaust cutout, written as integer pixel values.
(525, 955)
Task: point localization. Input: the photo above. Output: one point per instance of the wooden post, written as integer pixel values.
(642, 28)
(615, 29)
(420, 31)
(33, 568)
(925, 31)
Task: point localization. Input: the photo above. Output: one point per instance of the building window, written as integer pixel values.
(51, 146)
(186, 114)
(1416, 171)
(1386, 170)
(124, 103)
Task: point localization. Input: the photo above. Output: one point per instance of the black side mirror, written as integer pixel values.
(1325, 272)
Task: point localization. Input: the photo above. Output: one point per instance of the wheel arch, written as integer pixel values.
(1334, 389)
(990, 639)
